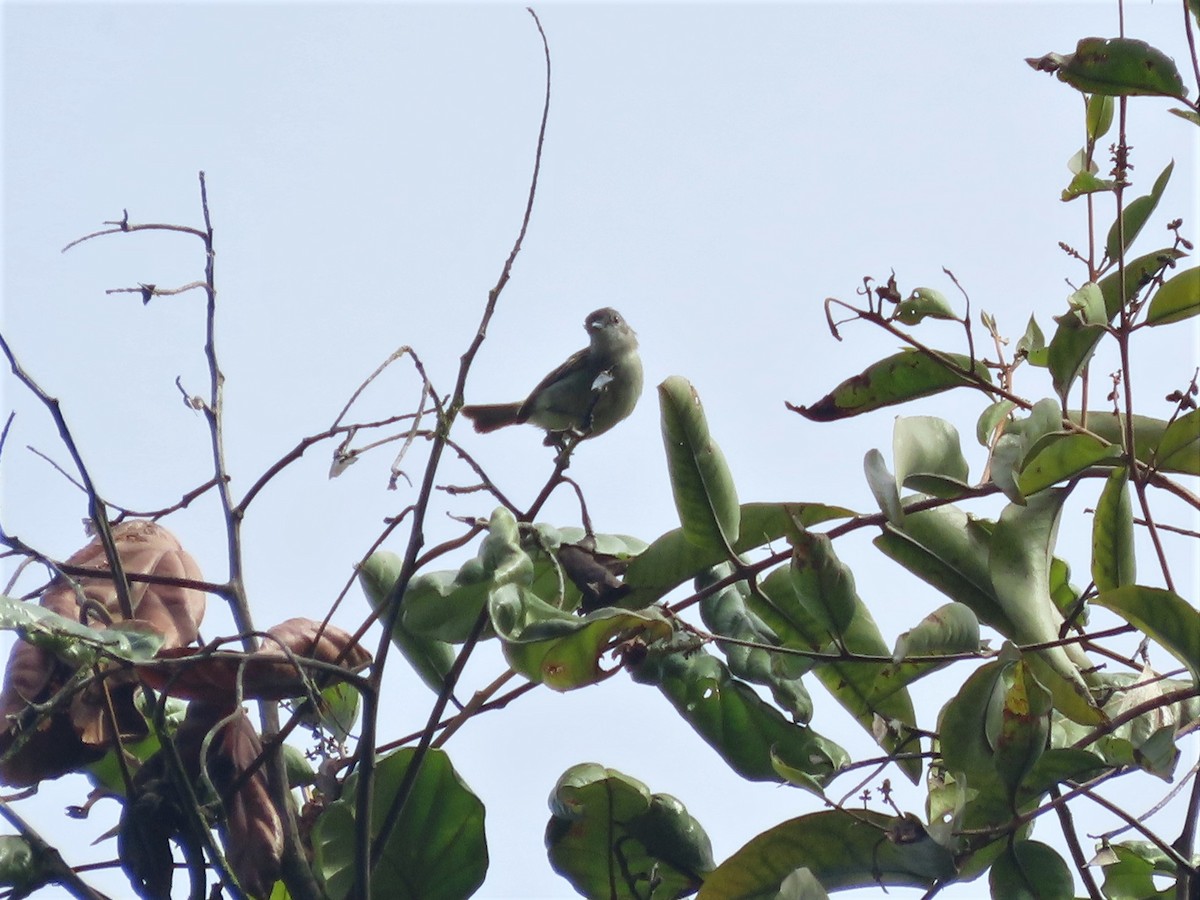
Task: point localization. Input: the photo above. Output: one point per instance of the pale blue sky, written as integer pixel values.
(713, 171)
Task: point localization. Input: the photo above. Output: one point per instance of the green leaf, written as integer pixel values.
(610, 837)
(1166, 617)
(1177, 299)
(948, 549)
(672, 560)
(1130, 869)
(559, 649)
(431, 659)
(1073, 344)
(1031, 345)
(1019, 561)
(445, 605)
(1083, 183)
(700, 480)
(897, 379)
(1024, 726)
(812, 605)
(928, 456)
(952, 628)
(924, 303)
(841, 848)
(1173, 447)
(20, 867)
(725, 613)
(1006, 464)
(962, 736)
(1114, 563)
(1135, 215)
(1179, 449)
(883, 485)
(1189, 115)
(1099, 116)
(1030, 870)
(75, 643)
(1121, 67)
(1159, 753)
(437, 850)
(1015, 446)
(1058, 457)
(106, 772)
(990, 418)
(732, 719)
(1087, 304)
(336, 713)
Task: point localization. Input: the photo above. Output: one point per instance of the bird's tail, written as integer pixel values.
(490, 416)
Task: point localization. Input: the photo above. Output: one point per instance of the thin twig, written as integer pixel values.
(365, 855)
(50, 858)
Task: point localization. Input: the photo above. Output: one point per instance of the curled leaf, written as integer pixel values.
(74, 620)
(700, 479)
(276, 671)
(609, 836)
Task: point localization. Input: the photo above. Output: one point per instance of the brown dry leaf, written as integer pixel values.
(267, 674)
(78, 734)
(307, 639)
(145, 548)
(252, 832)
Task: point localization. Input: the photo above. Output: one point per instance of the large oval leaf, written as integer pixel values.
(558, 649)
(1121, 67)
(1059, 456)
(1177, 299)
(951, 628)
(1136, 214)
(437, 850)
(928, 456)
(1019, 560)
(743, 728)
(948, 549)
(445, 605)
(430, 658)
(1165, 616)
(700, 480)
(1169, 447)
(726, 614)
(610, 837)
(841, 848)
(1114, 563)
(672, 559)
(1030, 870)
(906, 376)
(812, 605)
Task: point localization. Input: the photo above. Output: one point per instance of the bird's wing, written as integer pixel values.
(573, 362)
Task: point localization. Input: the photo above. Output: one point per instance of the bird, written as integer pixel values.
(593, 390)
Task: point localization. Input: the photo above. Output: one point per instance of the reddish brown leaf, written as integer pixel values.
(79, 732)
(268, 674)
(252, 832)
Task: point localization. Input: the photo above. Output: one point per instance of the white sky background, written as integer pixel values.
(714, 172)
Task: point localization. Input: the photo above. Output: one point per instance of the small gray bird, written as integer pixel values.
(587, 395)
